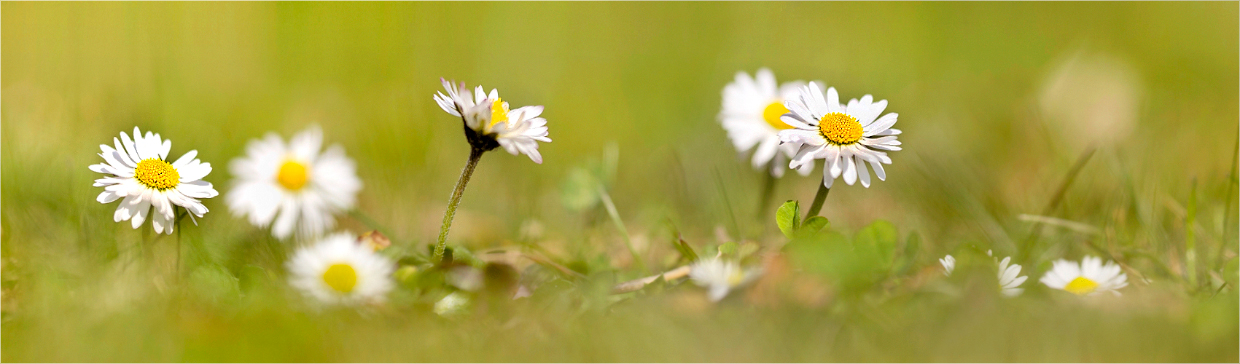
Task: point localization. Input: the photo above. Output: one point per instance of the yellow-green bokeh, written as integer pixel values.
(966, 79)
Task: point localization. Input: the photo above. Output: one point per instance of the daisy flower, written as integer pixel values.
(752, 107)
(719, 276)
(490, 122)
(293, 184)
(338, 270)
(137, 170)
(1090, 277)
(949, 264)
(846, 136)
(1010, 278)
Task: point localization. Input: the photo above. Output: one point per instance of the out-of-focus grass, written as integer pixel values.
(966, 78)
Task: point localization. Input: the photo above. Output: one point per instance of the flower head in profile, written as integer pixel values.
(1089, 277)
(1010, 278)
(294, 184)
(720, 276)
(138, 171)
(847, 137)
(491, 123)
(752, 107)
(949, 264)
(338, 270)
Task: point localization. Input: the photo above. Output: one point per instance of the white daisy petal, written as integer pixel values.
(338, 271)
(1087, 278)
(136, 170)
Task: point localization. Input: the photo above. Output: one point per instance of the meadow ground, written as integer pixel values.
(999, 103)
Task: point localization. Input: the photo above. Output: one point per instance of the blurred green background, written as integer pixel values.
(997, 100)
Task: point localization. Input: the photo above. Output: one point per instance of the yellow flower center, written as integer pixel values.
(840, 128)
(772, 113)
(340, 277)
(735, 278)
(293, 175)
(499, 111)
(157, 174)
(1081, 286)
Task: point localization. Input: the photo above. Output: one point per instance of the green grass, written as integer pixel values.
(631, 92)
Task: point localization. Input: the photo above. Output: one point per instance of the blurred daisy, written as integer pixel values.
(719, 276)
(490, 122)
(295, 182)
(752, 107)
(453, 304)
(1010, 278)
(949, 264)
(338, 270)
(137, 169)
(846, 136)
(1090, 277)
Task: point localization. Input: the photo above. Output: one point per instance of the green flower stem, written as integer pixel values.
(819, 198)
(475, 154)
(768, 189)
(176, 225)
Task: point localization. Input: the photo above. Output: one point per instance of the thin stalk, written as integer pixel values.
(736, 226)
(1190, 238)
(768, 189)
(1231, 183)
(475, 154)
(819, 198)
(176, 225)
(1057, 198)
(624, 232)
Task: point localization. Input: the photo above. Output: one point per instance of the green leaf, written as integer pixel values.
(908, 255)
(813, 225)
(747, 249)
(580, 190)
(879, 239)
(729, 248)
(788, 218)
(685, 250)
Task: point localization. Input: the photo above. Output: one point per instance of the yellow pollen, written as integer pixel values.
(499, 111)
(340, 277)
(1081, 286)
(772, 113)
(735, 278)
(157, 174)
(840, 128)
(293, 175)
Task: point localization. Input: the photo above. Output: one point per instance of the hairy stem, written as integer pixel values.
(768, 189)
(475, 154)
(819, 198)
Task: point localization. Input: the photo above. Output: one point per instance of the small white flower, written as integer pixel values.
(517, 130)
(847, 137)
(719, 276)
(1010, 278)
(338, 270)
(752, 107)
(137, 169)
(304, 187)
(949, 264)
(453, 304)
(1090, 277)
